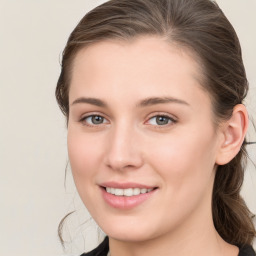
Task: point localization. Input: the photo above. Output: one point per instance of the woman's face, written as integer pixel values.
(141, 140)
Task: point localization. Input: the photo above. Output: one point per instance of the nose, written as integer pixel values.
(124, 150)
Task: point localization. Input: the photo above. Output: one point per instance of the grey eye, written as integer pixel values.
(94, 120)
(97, 119)
(160, 120)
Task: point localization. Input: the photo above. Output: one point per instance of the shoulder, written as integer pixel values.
(246, 250)
(101, 250)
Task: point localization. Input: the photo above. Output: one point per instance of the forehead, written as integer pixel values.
(147, 65)
(148, 51)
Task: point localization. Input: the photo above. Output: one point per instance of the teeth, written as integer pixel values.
(119, 192)
(128, 191)
(136, 191)
(143, 191)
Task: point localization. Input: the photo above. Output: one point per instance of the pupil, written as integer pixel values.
(161, 120)
(97, 119)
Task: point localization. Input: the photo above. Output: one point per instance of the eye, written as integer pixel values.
(93, 120)
(161, 120)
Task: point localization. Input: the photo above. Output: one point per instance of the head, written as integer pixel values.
(198, 32)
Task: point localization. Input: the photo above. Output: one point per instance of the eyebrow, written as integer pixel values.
(161, 100)
(144, 103)
(92, 101)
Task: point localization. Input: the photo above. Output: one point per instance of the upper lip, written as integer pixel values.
(124, 185)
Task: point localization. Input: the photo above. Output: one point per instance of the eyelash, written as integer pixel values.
(83, 120)
(170, 119)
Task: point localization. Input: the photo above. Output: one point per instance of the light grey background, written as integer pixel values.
(32, 130)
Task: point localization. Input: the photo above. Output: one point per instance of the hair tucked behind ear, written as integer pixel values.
(201, 27)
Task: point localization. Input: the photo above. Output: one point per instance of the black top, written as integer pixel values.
(102, 250)
(246, 251)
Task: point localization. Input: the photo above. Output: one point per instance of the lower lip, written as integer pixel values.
(126, 202)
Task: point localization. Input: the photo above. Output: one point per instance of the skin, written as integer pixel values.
(179, 157)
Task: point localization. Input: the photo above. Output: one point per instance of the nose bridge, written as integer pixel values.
(124, 150)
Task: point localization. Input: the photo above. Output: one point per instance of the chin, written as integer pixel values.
(129, 236)
(131, 231)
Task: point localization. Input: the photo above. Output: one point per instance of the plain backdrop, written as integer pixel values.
(33, 154)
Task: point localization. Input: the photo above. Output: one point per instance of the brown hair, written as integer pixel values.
(201, 27)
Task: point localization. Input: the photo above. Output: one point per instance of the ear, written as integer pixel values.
(233, 132)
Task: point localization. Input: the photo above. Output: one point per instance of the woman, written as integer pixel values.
(153, 95)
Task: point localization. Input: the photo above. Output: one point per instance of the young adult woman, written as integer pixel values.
(153, 95)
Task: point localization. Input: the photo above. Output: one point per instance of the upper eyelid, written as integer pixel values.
(86, 115)
(155, 114)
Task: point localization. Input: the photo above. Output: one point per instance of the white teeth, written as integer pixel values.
(128, 191)
(119, 192)
(143, 191)
(136, 191)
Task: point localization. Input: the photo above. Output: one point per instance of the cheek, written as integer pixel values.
(186, 162)
(84, 155)
(186, 168)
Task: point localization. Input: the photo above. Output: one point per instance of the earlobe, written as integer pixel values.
(234, 131)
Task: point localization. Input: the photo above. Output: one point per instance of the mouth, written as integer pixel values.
(126, 196)
(128, 192)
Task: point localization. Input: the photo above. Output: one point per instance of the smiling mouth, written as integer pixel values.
(128, 191)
